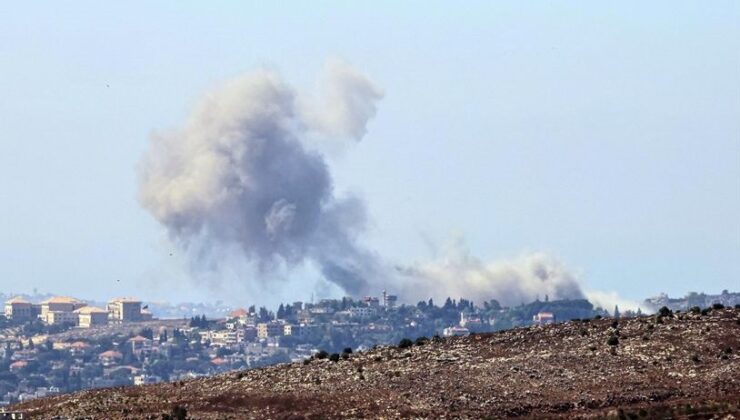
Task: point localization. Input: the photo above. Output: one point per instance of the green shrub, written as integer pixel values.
(706, 311)
(334, 357)
(695, 310)
(405, 343)
(322, 354)
(345, 355)
(665, 311)
(307, 361)
(347, 350)
(718, 306)
(420, 341)
(597, 317)
(612, 340)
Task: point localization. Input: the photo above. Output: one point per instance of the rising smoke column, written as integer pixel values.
(237, 173)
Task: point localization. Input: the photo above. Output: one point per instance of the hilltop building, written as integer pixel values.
(18, 309)
(90, 316)
(124, 309)
(60, 310)
(389, 301)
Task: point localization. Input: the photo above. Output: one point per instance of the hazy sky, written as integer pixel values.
(605, 134)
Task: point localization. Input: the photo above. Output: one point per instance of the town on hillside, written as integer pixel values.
(63, 344)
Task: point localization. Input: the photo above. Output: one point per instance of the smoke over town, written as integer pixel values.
(239, 172)
(511, 282)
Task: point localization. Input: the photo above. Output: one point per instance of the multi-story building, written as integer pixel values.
(270, 329)
(18, 309)
(124, 309)
(60, 310)
(140, 345)
(363, 311)
(90, 316)
(61, 317)
(389, 301)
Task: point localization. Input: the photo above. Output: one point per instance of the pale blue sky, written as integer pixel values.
(605, 134)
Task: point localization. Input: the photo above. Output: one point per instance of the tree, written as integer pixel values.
(616, 312)
(281, 311)
(30, 344)
(264, 314)
(404, 343)
(448, 304)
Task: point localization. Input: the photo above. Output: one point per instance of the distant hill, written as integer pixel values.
(683, 365)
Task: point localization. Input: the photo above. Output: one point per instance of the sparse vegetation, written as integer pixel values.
(665, 312)
(613, 340)
(718, 306)
(420, 341)
(334, 357)
(322, 355)
(405, 343)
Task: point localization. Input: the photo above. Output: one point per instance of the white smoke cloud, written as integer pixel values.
(511, 282)
(237, 173)
(349, 102)
(608, 300)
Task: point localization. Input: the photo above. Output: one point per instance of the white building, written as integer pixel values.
(455, 331)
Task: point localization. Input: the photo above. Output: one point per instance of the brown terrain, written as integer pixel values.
(681, 366)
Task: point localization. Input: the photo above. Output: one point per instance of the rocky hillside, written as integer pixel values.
(680, 365)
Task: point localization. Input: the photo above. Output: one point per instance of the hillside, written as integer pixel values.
(683, 365)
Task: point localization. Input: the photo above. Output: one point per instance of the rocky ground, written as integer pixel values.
(681, 366)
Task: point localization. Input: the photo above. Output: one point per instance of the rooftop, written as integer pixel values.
(111, 354)
(17, 299)
(125, 300)
(91, 310)
(61, 299)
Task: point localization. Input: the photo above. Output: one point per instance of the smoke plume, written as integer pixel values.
(511, 282)
(237, 173)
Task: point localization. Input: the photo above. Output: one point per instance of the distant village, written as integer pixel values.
(62, 344)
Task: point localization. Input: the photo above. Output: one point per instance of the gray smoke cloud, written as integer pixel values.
(237, 173)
